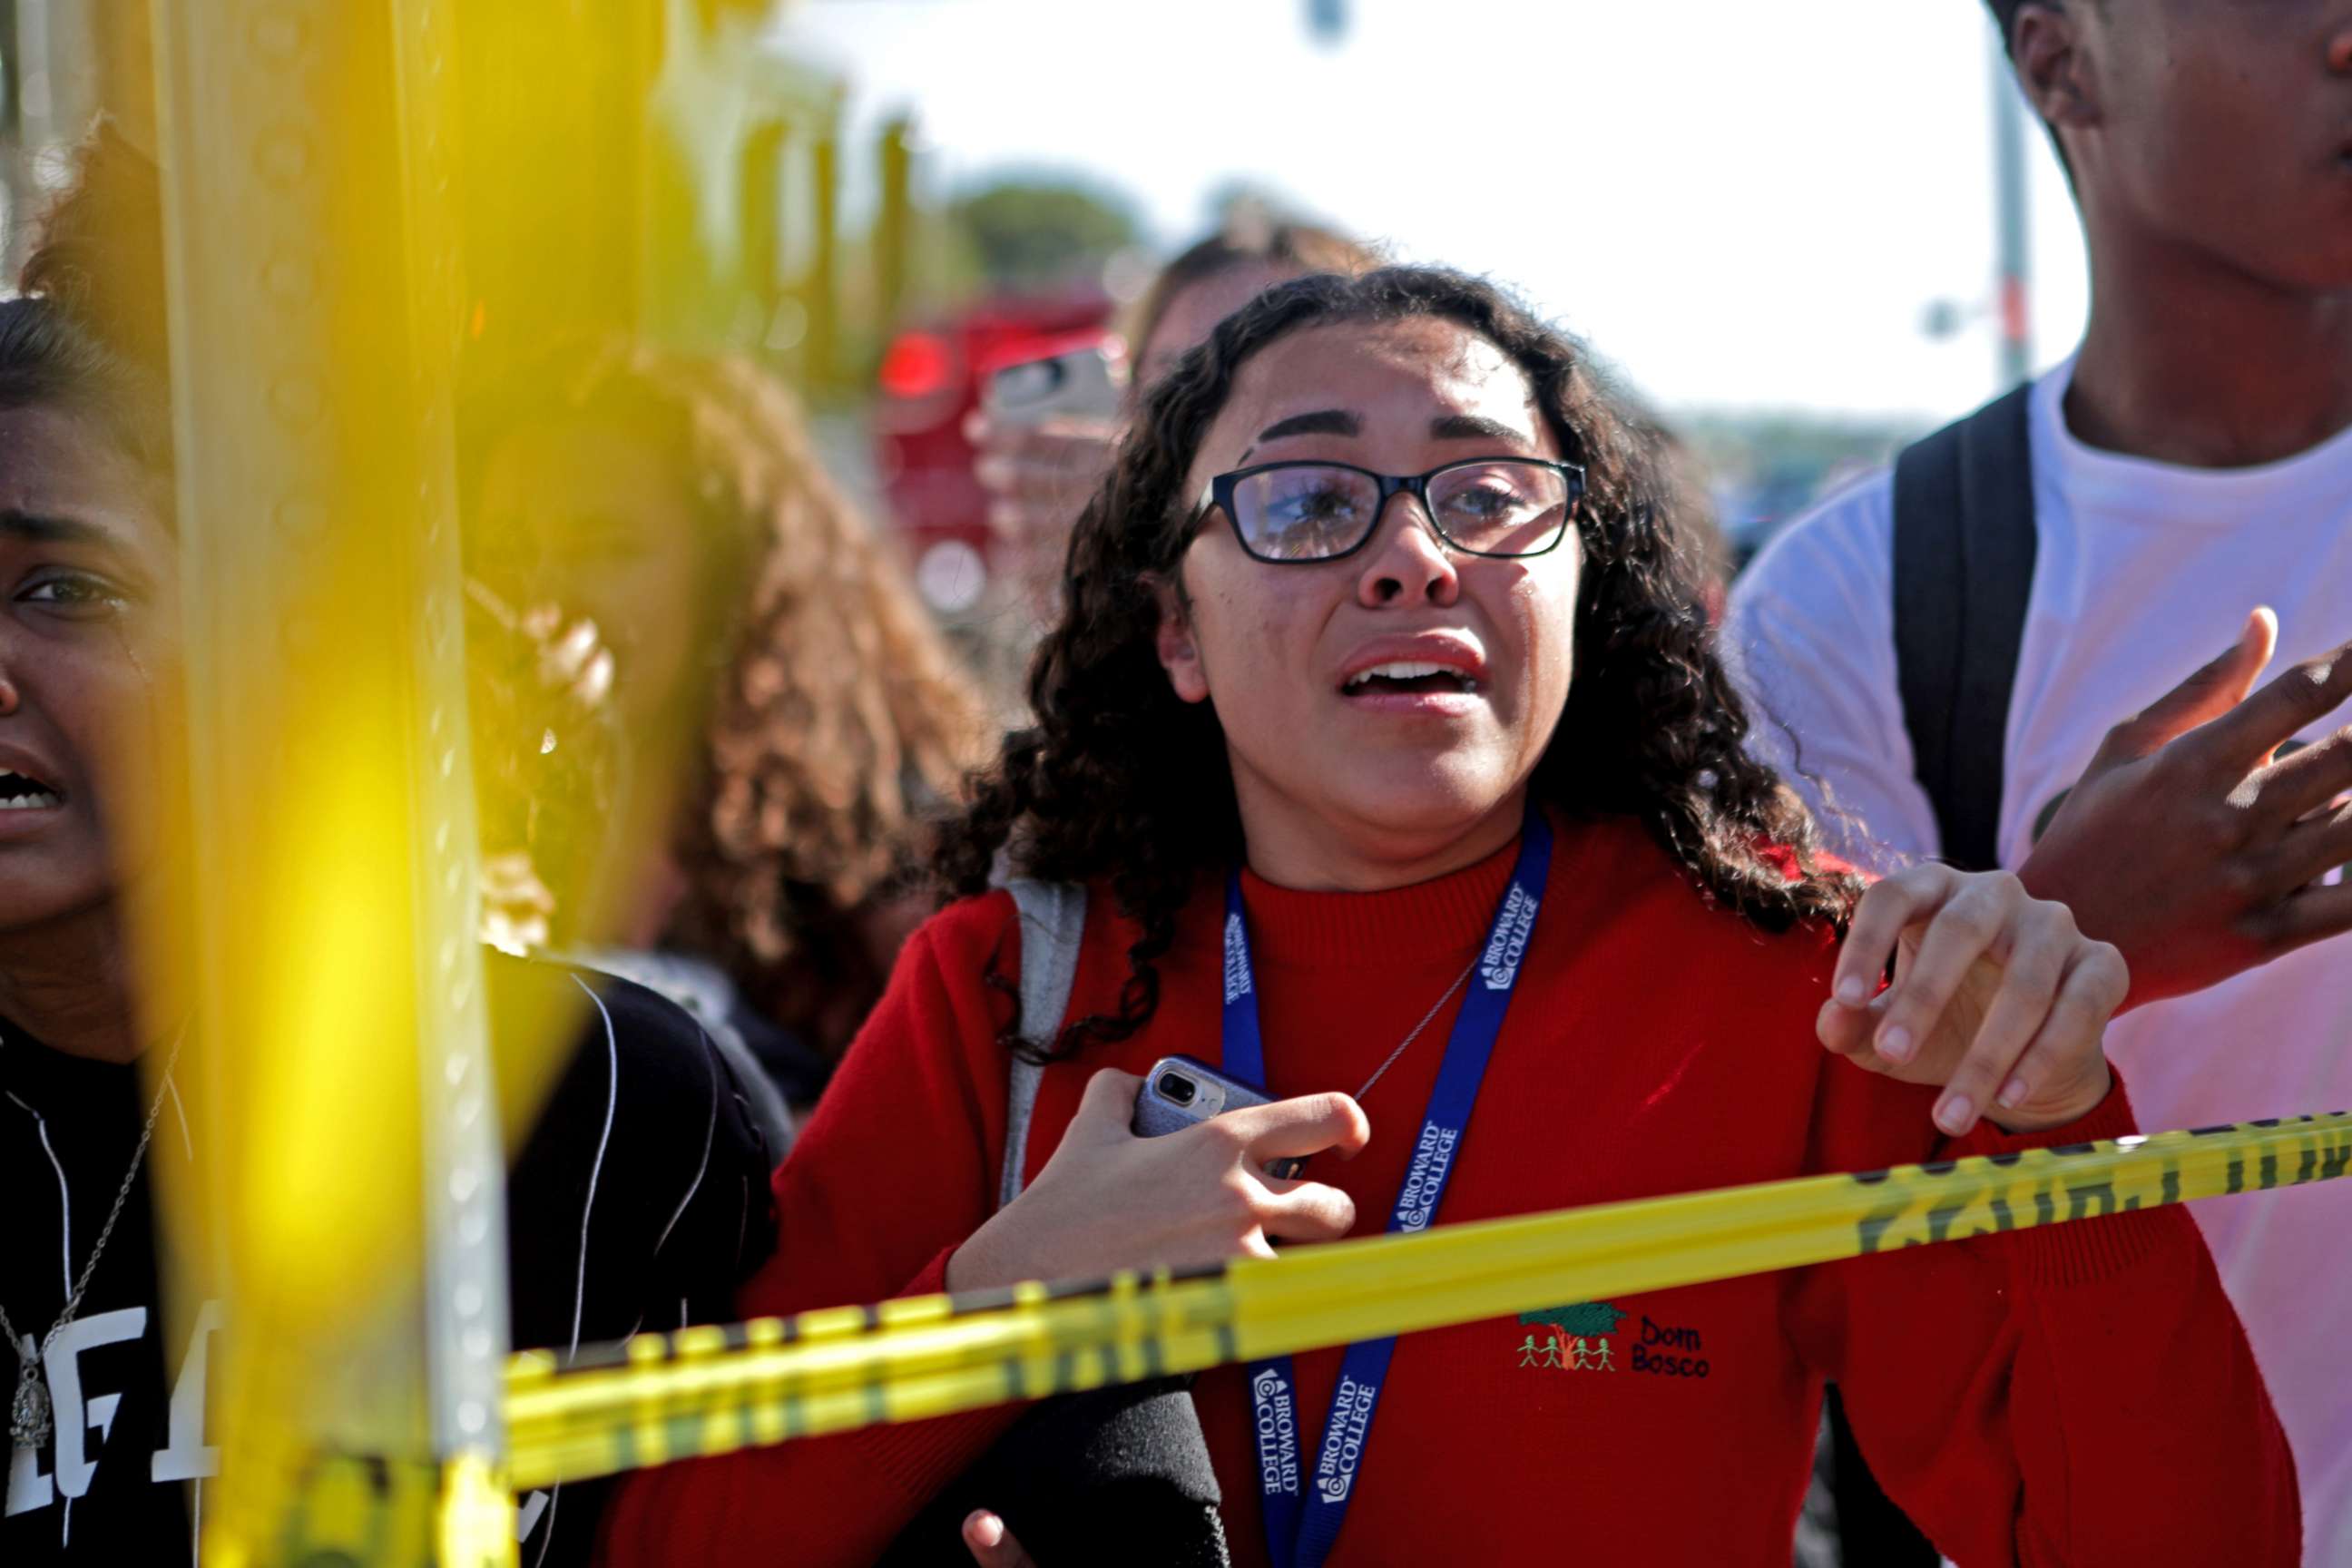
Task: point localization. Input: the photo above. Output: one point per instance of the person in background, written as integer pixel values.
(636, 1188)
(1382, 694)
(1039, 476)
(2192, 461)
(778, 716)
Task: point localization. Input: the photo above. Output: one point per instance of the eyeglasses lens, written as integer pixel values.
(1500, 509)
(1311, 512)
(1306, 513)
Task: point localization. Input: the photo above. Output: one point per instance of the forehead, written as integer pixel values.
(1390, 372)
(592, 461)
(58, 464)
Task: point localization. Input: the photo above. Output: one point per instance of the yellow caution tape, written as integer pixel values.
(477, 1523)
(713, 1390)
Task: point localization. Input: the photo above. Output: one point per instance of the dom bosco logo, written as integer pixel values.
(1500, 965)
(1579, 1340)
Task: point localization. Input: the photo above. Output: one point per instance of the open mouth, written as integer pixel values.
(1409, 677)
(22, 792)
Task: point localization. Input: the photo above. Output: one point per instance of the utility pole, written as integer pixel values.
(894, 224)
(2012, 297)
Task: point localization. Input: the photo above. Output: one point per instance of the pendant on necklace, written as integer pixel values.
(28, 1411)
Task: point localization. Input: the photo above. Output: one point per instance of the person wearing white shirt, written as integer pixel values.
(2190, 463)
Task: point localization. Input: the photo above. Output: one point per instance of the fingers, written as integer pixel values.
(987, 435)
(2029, 987)
(2309, 916)
(991, 1544)
(1027, 518)
(1879, 921)
(1290, 1128)
(2065, 1065)
(2295, 786)
(2212, 691)
(1978, 920)
(1058, 462)
(1304, 1211)
(1033, 478)
(578, 662)
(2301, 696)
(1052, 451)
(1850, 1032)
(2301, 857)
(1107, 1109)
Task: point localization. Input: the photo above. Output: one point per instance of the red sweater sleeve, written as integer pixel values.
(2081, 1395)
(896, 1169)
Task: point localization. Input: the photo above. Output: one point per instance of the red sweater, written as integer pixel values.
(2082, 1394)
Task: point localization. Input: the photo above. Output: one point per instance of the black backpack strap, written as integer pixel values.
(1964, 544)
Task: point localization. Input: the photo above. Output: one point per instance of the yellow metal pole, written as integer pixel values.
(308, 180)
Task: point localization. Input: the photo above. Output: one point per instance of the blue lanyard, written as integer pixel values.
(1304, 1511)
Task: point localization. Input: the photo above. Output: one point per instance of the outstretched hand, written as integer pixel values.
(1038, 478)
(2190, 844)
(1997, 998)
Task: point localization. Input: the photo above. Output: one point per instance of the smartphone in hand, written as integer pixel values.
(1077, 379)
(1179, 1091)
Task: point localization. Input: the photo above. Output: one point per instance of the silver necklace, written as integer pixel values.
(29, 1422)
(1417, 1028)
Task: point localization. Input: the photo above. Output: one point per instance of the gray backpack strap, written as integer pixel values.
(1053, 923)
(1964, 548)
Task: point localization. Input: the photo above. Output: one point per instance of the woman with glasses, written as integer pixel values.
(1385, 736)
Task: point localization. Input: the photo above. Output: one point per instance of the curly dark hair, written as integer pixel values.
(1121, 780)
(842, 722)
(97, 344)
(828, 721)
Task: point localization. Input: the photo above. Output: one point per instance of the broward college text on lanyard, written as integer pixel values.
(1302, 1512)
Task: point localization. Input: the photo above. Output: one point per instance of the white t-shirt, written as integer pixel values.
(2144, 571)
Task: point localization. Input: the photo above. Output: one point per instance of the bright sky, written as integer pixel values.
(1748, 203)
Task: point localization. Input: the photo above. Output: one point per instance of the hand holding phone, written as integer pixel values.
(1041, 442)
(1182, 1091)
(1082, 380)
(1110, 1199)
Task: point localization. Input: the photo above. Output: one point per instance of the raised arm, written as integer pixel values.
(2192, 842)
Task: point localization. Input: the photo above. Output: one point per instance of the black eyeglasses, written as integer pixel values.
(1295, 513)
